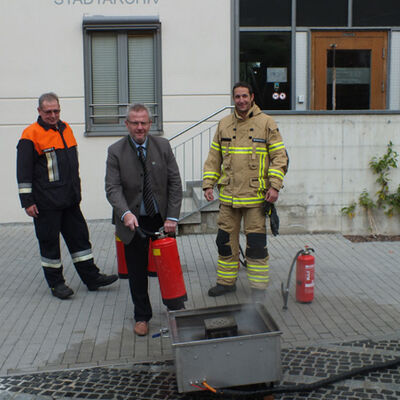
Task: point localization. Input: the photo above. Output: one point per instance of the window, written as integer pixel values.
(321, 13)
(265, 52)
(265, 13)
(265, 64)
(122, 66)
(376, 13)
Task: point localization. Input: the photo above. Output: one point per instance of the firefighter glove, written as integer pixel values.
(270, 210)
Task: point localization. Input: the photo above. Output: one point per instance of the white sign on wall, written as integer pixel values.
(278, 74)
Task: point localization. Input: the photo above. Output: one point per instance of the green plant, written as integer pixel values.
(389, 202)
(368, 204)
(393, 202)
(365, 200)
(350, 210)
(381, 167)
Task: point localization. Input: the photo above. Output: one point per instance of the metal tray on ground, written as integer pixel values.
(252, 355)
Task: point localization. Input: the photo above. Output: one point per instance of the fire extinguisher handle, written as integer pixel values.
(143, 233)
(140, 232)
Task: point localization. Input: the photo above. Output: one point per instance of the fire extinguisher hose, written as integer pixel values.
(302, 388)
(285, 290)
(143, 233)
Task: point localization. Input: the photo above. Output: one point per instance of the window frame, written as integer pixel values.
(122, 26)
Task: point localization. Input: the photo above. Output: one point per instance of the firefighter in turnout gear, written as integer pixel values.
(50, 191)
(247, 161)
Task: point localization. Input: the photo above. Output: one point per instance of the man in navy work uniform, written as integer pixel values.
(50, 191)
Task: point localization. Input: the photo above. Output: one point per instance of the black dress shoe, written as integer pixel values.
(219, 290)
(62, 291)
(102, 280)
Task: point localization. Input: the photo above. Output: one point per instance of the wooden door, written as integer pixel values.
(348, 70)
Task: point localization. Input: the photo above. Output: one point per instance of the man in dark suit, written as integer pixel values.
(135, 164)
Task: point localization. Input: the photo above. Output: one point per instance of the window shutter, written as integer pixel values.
(141, 77)
(105, 78)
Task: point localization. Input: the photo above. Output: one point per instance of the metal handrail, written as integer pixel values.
(192, 151)
(201, 121)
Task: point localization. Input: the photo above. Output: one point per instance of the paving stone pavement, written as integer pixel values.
(84, 347)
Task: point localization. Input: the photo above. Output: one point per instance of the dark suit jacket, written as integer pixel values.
(124, 181)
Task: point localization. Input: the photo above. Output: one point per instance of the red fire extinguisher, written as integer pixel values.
(305, 271)
(121, 261)
(169, 271)
(151, 266)
(305, 268)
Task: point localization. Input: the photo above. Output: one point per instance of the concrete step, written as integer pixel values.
(202, 203)
(197, 214)
(189, 212)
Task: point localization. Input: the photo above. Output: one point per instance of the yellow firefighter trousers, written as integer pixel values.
(229, 220)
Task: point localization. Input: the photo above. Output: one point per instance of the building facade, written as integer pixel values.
(329, 73)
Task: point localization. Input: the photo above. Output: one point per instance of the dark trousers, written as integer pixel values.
(72, 225)
(136, 254)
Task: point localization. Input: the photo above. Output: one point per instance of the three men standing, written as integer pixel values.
(144, 188)
(247, 161)
(50, 191)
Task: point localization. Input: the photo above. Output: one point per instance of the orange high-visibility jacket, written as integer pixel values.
(48, 167)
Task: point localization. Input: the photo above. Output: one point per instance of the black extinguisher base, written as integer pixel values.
(175, 304)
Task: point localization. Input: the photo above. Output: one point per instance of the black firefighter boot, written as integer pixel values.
(56, 282)
(219, 290)
(91, 276)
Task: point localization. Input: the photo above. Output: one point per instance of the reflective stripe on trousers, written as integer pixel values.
(229, 220)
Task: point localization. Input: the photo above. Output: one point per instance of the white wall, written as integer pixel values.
(301, 71)
(329, 168)
(42, 50)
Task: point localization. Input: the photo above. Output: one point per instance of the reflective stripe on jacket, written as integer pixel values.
(247, 156)
(48, 167)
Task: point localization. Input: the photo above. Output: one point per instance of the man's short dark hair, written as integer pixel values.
(138, 107)
(242, 84)
(48, 97)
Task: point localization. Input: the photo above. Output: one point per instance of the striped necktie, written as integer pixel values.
(147, 192)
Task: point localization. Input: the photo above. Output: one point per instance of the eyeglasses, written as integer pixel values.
(137, 123)
(48, 112)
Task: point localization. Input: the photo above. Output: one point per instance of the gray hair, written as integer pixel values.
(138, 107)
(48, 97)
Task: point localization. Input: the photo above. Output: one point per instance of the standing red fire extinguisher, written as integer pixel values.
(121, 261)
(305, 272)
(305, 268)
(151, 265)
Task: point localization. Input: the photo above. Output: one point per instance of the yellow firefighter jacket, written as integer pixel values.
(247, 157)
